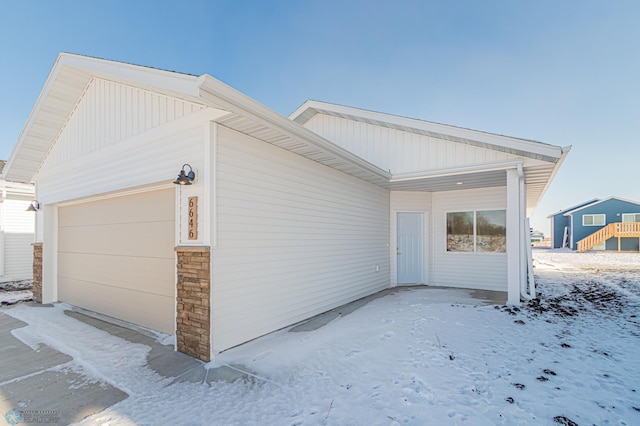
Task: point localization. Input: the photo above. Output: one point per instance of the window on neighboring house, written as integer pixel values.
(477, 231)
(631, 217)
(593, 220)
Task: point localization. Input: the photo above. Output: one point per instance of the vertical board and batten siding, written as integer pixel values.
(411, 201)
(486, 271)
(18, 228)
(109, 112)
(294, 239)
(119, 138)
(400, 151)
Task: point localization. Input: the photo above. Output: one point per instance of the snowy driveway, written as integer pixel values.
(415, 357)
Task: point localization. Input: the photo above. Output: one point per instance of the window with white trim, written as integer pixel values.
(593, 219)
(631, 217)
(477, 231)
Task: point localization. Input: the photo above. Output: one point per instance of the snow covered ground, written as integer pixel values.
(12, 292)
(416, 357)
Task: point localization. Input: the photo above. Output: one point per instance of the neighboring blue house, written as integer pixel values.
(560, 225)
(571, 225)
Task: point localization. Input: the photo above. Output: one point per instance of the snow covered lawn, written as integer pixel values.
(417, 357)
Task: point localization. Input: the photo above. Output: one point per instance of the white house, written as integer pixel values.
(284, 218)
(17, 230)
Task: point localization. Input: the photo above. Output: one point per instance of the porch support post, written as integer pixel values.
(513, 237)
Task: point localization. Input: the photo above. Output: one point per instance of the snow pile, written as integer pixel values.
(421, 356)
(12, 292)
(13, 297)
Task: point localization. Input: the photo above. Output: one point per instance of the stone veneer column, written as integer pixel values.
(193, 326)
(37, 272)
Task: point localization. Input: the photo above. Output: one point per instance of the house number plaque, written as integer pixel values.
(193, 218)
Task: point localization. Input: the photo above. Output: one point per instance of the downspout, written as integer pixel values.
(526, 266)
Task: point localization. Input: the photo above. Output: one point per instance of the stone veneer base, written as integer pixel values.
(193, 312)
(37, 272)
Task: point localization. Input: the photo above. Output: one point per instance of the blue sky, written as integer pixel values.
(561, 72)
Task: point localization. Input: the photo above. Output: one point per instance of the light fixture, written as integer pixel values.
(34, 206)
(459, 183)
(185, 178)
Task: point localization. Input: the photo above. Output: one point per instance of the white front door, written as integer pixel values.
(409, 248)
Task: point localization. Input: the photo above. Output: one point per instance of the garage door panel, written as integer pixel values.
(149, 275)
(126, 239)
(127, 209)
(116, 257)
(147, 310)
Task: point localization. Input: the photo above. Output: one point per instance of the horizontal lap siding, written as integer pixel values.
(18, 256)
(18, 227)
(470, 270)
(294, 239)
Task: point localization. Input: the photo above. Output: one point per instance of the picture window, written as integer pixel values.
(477, 231)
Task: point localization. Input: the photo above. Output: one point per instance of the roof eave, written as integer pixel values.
(94, 67)
(220, 95)
(524, 147)
(565, 151)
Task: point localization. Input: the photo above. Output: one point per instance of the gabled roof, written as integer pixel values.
(517, 146)
(573, 208)
(539, 171)
(71, 75)
(570, 212)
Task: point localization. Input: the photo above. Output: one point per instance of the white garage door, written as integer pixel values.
(116, 257)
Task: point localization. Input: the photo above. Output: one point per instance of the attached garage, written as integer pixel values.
(116, 257)
(273, 220)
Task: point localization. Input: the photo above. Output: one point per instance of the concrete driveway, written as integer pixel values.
(40, 384)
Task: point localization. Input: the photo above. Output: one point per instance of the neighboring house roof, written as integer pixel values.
(14, 188)
(73, 74)
(570, 212)
(573, 208)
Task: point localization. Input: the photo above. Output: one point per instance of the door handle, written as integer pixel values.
(397, 252)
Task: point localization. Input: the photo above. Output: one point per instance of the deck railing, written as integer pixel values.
(612, 230)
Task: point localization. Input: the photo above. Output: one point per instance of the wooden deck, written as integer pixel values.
(612, 230)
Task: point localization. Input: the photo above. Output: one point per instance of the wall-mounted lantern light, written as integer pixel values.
(34, 206)
(185, 178)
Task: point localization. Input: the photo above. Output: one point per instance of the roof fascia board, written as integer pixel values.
(548, 152)
(172, 82)
(43, 93)
(104, 68)
(565, 151)
(457, 171)
(221, 95)
(562, 212)
(570, 212)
